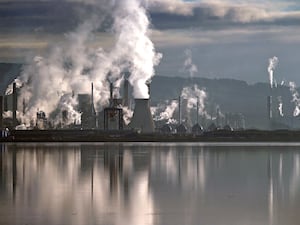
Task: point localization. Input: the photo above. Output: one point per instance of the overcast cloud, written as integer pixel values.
(229, 38)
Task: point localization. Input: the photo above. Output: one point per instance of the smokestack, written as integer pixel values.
(24, 106)
(92, 93)
(142, 118)
(269, 107)
(111, 89)
(148, 83)
(218, 117)
(197, 111)
(179, 109)
(93, 111)
(126, 89)
(14, 104)
(1, 112)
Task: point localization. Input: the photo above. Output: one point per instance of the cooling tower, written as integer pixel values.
(142, 118)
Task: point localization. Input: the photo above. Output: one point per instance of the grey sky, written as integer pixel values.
(229, 38)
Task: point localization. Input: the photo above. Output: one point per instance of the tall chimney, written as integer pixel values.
(148, 83)
(197, 111)
(1, 112)
(179, 109)
(93, 111)
(142, 117)
(111, 89)
(269, 107)
(14, 104)
(125, 97)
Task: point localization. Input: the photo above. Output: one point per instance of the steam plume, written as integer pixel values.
(194, 95)
(134, 47)
(295, 99)
(48, 81)
(272, 65)
(168, 112)
(189, 66)
(280, 106)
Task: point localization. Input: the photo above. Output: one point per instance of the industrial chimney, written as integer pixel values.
(125, 96)
(269, 107)
(1, 112)
(142, 118)
(14, 106)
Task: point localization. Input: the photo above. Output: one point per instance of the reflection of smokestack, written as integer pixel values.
(142, 118)
(1, 112)
(269, 106)
(125, 97)
(14, 105)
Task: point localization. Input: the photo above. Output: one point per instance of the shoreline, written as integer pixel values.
(132, 136)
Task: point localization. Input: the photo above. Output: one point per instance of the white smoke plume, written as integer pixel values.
(48, 81)
(189, 66)
(295, 99)
(280, 106)
(194, 95)
(167, 112)
(272, 65)
(127, 115)
(134, 48)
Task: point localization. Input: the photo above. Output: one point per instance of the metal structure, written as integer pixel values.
(1, 112)
(269, 107)
(113, 118)
(15, 102)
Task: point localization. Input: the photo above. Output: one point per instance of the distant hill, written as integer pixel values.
(230, 95)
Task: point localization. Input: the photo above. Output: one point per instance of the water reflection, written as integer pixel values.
(148, 184)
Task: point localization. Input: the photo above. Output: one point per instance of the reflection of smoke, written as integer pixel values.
(168, 112)
(295, 99)
(280, 106)
(272, 65)
(47, 82)
(189, 66)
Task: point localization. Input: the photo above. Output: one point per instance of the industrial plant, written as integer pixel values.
(121, 115)
(123, 118)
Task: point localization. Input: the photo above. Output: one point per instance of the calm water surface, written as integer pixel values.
(145, 184)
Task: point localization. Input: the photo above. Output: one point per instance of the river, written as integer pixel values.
(150, 184)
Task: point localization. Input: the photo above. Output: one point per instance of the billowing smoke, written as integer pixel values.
(189, 66)
(272, 65)
(48, 81)
(167, 111)
(280, 106)
(134, 48)
(195, 96)
(295, 99)
(127, 115)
